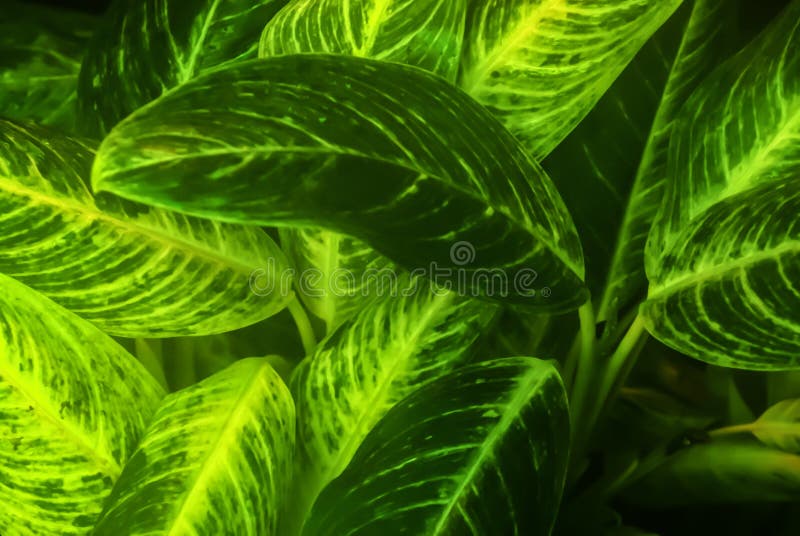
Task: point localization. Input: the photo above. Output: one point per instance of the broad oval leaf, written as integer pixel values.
(719, 472)
(480, 451)
(335, 273)
(73, 404)
(132, 270)
(722, 256)
(215, 460)
(425, 33)
(387, 153)
(40, 57)
(146, 47)
(373, 361)
(541, 66)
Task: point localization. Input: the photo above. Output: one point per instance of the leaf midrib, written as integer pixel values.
(400, 357)
(188, 69)
(43, 407)
(719, 271)
(232, 422)
(525, 390)
(525, 27)
(92, 213)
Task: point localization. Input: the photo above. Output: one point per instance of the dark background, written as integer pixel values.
(92, 6)
(693, 520)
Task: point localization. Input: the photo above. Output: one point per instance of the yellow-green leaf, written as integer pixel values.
(73, 405)
(335, 274)
(541, 65)
(217, 459)
(370, 363)
(132, 270)
(425, 33)
(722, 257)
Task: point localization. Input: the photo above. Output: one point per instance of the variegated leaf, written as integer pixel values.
(541, 65)
(370, 363)
(611, 169)
(130, 269)
(335, 273)
(73, 405)
(216, 460)
(425, 33)
(387, 153)
(480, 451)
(146, 47)
(722, 257)
(40, 56)
(707, 39)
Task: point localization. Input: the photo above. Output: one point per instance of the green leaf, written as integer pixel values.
(722, 256)
(341, 270)
(779, 426)
(720, 472)
(73, 404)
(424, 33)
(336, 274)
(610, 170)
(480, 451)
(146, 47)
(370, 363)
(130, 269)
(215, 460)
(40, 56)
(387, 153)
(542, 66)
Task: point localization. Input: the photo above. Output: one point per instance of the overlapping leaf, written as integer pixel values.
(425, 33)
(779, 426)
(216, 460)
(723, 257)
(611, 169)
(73, 405)
(370, 363)
(130, 269)
(146, 47)
(480, 451)
(384, 152)
(336, 274)
(720, 472)
(40, 56)
(541, 66)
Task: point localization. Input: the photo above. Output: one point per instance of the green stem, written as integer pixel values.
(585, 366)
(617, 369)
(303, 324)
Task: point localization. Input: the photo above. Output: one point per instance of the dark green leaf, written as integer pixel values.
(145, 47)
(480, 451)
(40, 56)
(387, 153)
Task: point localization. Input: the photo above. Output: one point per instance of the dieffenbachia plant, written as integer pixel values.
(428, 267)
